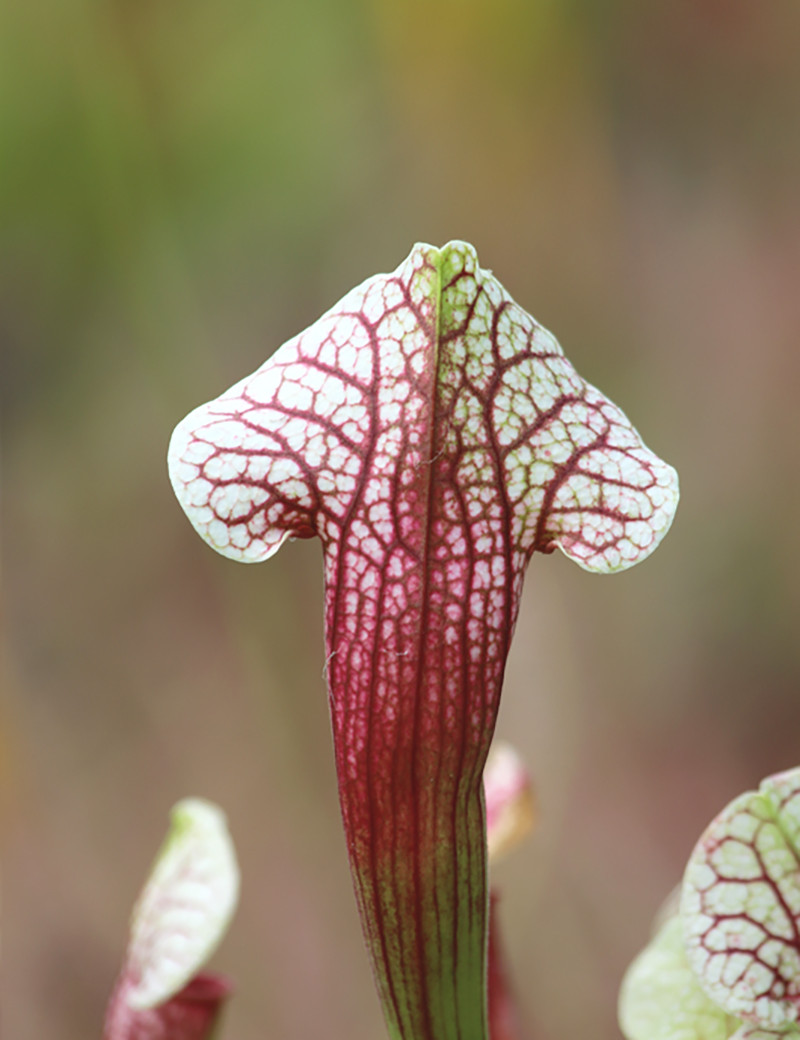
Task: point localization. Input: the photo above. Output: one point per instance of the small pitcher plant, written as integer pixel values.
(433, 436)
(725, 959)
(180, 917)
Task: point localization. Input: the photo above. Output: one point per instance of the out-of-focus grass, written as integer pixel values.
(183, 186)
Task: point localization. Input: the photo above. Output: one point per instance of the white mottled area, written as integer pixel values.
(739, 890)
(185, 906)
(736, 859)
(285, 448)
(562, 446)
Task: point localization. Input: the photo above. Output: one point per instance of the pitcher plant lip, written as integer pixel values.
(433, 436)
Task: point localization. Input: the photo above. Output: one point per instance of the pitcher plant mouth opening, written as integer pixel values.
(433, 436)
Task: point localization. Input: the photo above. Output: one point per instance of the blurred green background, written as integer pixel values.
(184, 185)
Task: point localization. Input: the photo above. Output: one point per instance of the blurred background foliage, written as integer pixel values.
(184, 185)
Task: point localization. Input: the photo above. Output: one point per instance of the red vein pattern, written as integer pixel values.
(741, 906)
(433, 436)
